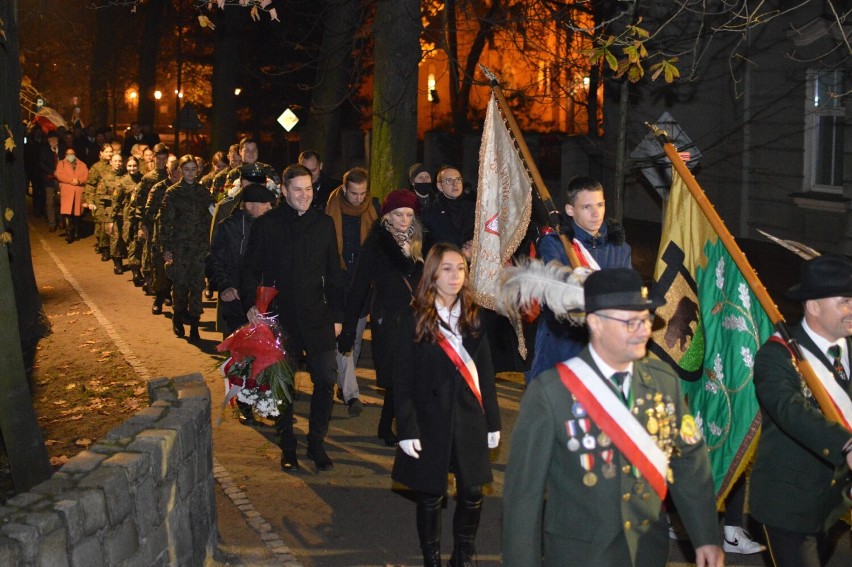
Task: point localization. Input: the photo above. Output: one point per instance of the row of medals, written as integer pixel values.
(589, 443)
(658, 424)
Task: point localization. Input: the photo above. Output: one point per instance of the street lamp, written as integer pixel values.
(158, 95)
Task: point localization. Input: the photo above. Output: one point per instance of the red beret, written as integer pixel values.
(399, 198)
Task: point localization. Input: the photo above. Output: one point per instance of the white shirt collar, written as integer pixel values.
(608, 370)
(450, 316)
(822, 343)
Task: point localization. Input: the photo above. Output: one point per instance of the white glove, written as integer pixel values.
(493, 439)
(411, 447)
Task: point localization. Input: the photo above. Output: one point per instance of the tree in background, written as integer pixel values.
(393, 148)
(23, 322)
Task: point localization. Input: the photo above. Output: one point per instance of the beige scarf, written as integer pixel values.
(338, 206)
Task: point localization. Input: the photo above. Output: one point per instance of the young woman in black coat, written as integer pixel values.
(446, 403)
(390, 262)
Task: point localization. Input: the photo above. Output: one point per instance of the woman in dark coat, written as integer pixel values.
(390, 262)
(446, 403)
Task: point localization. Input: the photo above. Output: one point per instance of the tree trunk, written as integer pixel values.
(226, 65)
(20, 304)
(149, 47)
(396, 55)
(331, 87)
(102, 64)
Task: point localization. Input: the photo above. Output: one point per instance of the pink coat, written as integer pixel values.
(71, 193)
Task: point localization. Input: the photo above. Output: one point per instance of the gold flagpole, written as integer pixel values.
(828, 408)
(538, 182)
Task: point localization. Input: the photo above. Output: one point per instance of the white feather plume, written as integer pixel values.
(558, 287)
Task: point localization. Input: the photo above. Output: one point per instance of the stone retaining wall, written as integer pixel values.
(143, 495)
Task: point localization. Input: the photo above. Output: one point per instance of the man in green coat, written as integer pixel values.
(800, 482)
(605, 436)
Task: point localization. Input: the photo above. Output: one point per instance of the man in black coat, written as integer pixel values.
(294, 249)
(450, 217)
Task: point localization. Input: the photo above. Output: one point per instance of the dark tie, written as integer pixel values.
(618, 379)
(834, 355)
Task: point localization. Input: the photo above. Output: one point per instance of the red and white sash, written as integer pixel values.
(462, 361)
(613, 418)
(586, 259)
(838, 396)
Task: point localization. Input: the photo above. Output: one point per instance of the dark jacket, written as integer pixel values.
(392, 276)
(555, 340)
(223, 264)
(433, 403)
(297, 254)
(448, 220)
(800, 470)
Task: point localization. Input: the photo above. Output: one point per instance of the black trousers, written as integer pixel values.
(793, 549)
(322, 367)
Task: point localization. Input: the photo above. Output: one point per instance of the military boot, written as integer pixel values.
(138, 280)
(157, 306)
(193, 329)
(177, 324)
(117, 268)
(104, 250)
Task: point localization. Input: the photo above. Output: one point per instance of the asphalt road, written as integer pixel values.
(349, 516)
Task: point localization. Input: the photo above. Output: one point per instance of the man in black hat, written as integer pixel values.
(606, 435)
(800, 481)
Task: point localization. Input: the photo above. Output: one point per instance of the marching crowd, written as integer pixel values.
(604, 435)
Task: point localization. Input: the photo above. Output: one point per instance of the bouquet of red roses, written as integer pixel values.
(257, 372)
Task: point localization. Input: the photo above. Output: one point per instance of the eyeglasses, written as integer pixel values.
(631, 324)
(450, 181)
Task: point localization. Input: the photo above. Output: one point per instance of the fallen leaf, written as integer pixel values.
(60, 403)
(84, 442)
(58, 461)
(50, 442)
(70, 386)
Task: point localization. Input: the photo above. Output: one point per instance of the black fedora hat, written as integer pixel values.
(829, 275)
(618, 288)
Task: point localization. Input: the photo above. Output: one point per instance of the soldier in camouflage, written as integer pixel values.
(100, 203)
(159, 173)
(159, 284)
(184, 222)
(126, 223)
(95, 173)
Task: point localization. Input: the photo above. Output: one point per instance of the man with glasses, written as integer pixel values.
(450, 217)
(606, 436)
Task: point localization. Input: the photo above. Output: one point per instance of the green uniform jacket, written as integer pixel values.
(618, 521)
(800, 471)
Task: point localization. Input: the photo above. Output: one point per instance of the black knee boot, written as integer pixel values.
(177, 324)
(465, 524)
(385, 431)
(117, 267)
(429, 528)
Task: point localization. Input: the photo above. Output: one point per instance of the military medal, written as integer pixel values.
(573, 443)
(587, 461)
(604, 440)
(578, 410)
(652, 425)
(608, 469)
(588, 438)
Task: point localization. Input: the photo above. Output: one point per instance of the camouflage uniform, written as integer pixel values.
(101, 196)
(96, 172)
(148, 181)
(183, 224)
(123, 243)
(159, 283)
